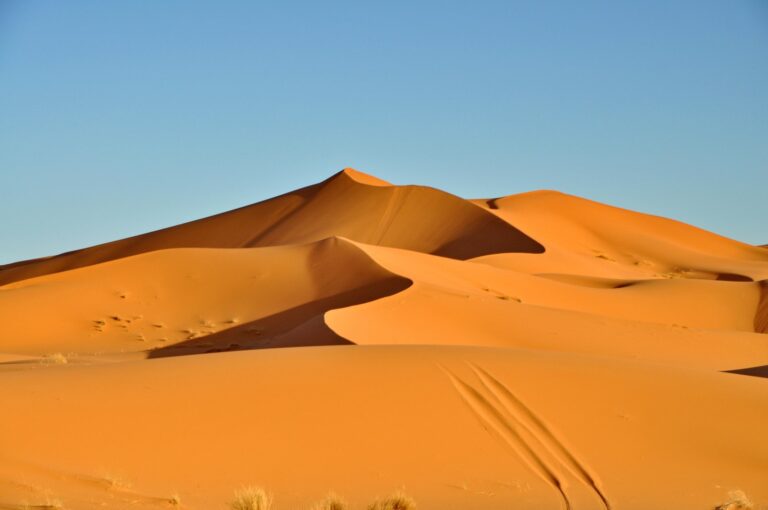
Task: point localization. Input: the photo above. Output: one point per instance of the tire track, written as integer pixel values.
(520, 429)
(538, 429)
(493, 420)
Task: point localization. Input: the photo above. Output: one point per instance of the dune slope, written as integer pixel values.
(497, 428)
(684, 322)
(349, 204)
(192, 300)
(586, 237)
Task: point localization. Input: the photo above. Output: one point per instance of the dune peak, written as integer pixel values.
(363, 178)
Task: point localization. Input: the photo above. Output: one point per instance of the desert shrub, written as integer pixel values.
(251, 498)
(397, 501)
(331, 502)
(737, 500)
(56, 358)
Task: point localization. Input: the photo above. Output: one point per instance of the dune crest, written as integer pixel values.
(412, 217)
(192, 300)
(591, 239)
(364, 178)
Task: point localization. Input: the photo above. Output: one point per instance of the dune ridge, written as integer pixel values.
(595, 239)
(171, 300)
(536, 350)
(346, 205)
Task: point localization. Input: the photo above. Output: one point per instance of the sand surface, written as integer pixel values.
(537, 351)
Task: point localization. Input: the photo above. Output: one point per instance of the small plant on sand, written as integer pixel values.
(56, 358)
(174, 500)
(115, 482)
(251, 498)
(737, 500)
(331, 502)
(397, 501)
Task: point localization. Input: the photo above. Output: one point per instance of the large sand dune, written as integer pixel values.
(348, 204)
(534, 351)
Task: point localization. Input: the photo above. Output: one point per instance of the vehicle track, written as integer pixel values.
(523, 432)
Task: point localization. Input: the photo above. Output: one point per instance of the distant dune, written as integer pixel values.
(537, 350)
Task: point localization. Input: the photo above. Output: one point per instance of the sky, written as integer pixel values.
(117, 118)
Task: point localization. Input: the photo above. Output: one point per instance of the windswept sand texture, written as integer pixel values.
(536, 351)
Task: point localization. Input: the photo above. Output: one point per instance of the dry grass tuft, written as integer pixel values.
(397, 501)
(251, 498)
(331, 502)
(56, 358)
(737, 500)
(115, 482)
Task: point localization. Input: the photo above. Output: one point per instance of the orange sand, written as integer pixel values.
(534, 351)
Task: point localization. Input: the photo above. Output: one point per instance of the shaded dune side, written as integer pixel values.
(348, 205)
(416, 218)
(761, 326)
(761, 316)
(203, 299)
(300, 326)
(330, 261)
(756, 371)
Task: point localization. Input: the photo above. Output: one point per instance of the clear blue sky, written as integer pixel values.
(120, 117)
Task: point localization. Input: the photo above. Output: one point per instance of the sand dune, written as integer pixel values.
(187, 299)
(537, 350)
(347, 205)
(585, 237)
(687, 322)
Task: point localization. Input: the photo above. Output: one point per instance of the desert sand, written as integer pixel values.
(536, 350)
